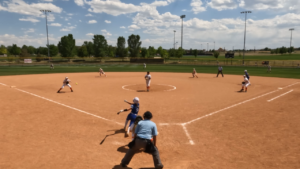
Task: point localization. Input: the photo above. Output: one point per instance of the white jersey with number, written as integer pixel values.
(247, 82)
(148, 80)
(101, 71)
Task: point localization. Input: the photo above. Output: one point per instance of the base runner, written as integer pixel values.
(66, 83)
(101, 72)
(148, 81)
(194, 73)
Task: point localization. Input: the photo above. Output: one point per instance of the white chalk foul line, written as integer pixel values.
(69, 106)
(187, 134)
(280, 95)
(3, 84)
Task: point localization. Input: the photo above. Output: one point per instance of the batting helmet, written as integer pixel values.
(136, 100)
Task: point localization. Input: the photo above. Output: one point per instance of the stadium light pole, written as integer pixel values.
(182, 16)
(201, 47)
(291, 39)
(214, 45)
(245, 12)
(174, 38)
(45, 11)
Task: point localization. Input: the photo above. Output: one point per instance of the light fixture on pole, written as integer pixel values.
(45, 11)
(182, 16)
(245, 12)
(174, 38)
(291, 39)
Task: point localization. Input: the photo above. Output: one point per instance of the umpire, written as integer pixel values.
(220, 70)
(144, 131)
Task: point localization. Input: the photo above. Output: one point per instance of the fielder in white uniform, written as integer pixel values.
(66, 83)
(51, 66)
(245, 84)
(148, 80)
(144, 65)
(101, 72)
(194, 73)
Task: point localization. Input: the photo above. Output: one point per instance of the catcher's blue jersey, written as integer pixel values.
(135, 108)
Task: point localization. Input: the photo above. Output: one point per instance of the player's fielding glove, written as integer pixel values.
(243, 82)
(67, 82)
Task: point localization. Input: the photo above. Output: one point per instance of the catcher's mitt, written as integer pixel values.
(243, 82)
(67, 82)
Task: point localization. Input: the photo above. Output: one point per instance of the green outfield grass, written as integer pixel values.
(254, 71)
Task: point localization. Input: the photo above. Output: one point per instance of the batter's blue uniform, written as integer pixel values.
(135, 108)
(134, 111)
(247, 75)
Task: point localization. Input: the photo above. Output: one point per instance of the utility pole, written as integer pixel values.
(245, 12)
(214, 45)
(291, 39)
(182, 16)
(45, 11)
(174, 38)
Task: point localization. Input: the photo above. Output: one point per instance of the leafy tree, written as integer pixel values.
(179, 52)
(191, 51)
(111, 51)
(89, 47)
(172, 52)
(121, 50)
(38, 57)
(291, 49)
(152, 51)
(66, 46)
(160, 51)
(3, 50)
(15, 50)
(282, 50)
(134, 45)
(53, 50)
(216, 54)
(100, 46)
(31, 50)
(195, 52)
(144, 52)
(42, 50)
(24, 54)
(82, 51)
(165, 54)
(24, 47)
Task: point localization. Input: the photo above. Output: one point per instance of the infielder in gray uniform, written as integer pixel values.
(220, 70)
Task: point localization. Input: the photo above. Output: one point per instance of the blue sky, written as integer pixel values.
(206, 22)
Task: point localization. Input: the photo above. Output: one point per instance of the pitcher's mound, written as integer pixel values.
(153, 87)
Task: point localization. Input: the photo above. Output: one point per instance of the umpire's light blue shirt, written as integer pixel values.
(146, 129)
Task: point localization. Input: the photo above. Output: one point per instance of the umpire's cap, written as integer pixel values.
(148, 115)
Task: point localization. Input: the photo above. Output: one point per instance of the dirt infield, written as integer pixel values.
(202, 123)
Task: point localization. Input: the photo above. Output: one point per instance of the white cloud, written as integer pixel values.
(29, 19)
(36, 41)
(79, 2)
(106, 21)
(279, 5)
(68, 29)
(33, 9)
(69, 23)
(105, 32)
(70, 14)
(133, 27)
(222, 4)
(89, 34)
(197, 6)
(31, 30)
(55, 24)
(48, 0)
(123, 27)
(50, 17)
(80, 21)
(92, 21)
(89, 14)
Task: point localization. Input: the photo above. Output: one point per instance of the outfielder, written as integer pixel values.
(269, 68)
(220, 70)
(148, 80)
(101, 72)
(52, 66)
(194, 73)
(245, 84)
(144, 65)
(66, 83)
(134, 107)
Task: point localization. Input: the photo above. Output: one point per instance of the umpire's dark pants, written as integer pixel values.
(141, 144)
(220, 71)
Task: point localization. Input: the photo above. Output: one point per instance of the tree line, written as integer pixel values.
(97, 48)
